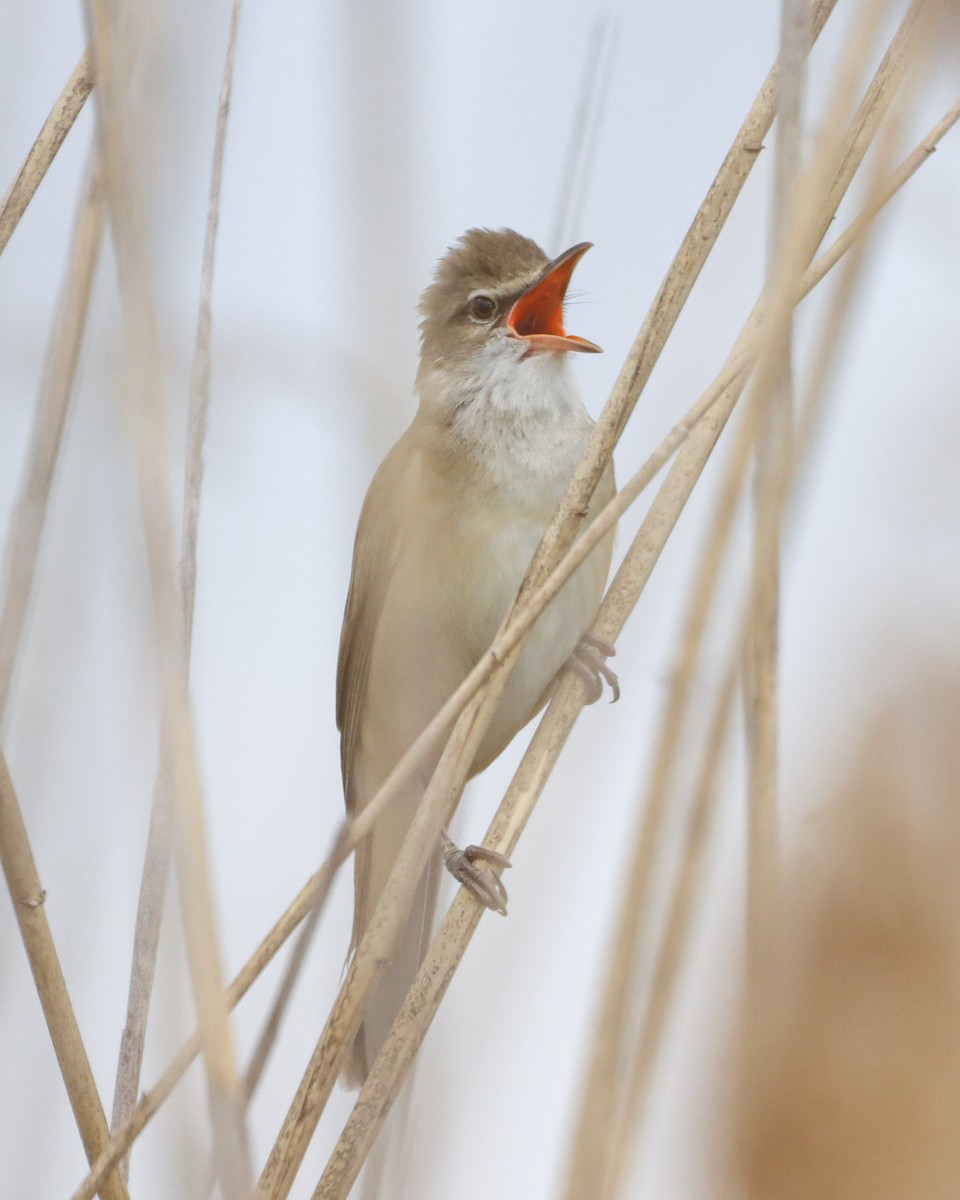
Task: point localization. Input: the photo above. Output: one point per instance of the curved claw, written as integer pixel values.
(587, 660)
(483, 885)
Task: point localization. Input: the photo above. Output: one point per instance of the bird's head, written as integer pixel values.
(496, 302)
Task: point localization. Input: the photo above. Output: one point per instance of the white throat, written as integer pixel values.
(519, 420)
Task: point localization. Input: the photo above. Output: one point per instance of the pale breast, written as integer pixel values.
(490, 544)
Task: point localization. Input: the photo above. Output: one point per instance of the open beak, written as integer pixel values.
(537, 316)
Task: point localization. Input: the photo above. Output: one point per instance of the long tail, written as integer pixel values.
(373, 864)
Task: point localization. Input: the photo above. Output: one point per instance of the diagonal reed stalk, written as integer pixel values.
(23, 543)
(665, 970)
(56, 388)
(28, 898)
(157, 858)
(352, 833)
(604, 1082)
(43, 151)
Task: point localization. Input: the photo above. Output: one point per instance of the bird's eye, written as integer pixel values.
(482, 308)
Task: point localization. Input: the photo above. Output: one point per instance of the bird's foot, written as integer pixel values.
(484, 885)
(588, 660)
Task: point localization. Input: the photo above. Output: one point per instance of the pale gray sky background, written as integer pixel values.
(364, 138)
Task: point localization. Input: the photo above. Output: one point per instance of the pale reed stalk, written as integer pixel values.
(761, 659)
(50, 416)
(28, 898)
(831, 173)
(668, 960)
(145, 411)
(43, 151)
(157, 858)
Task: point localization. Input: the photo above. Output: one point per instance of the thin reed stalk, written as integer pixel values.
(146, 417)
(605, 1074)
(157, 858)
(667, 965)
(667, 305)
(28, 898)
(665, 971)
(774, 448)
(56, 389)
(44, 150)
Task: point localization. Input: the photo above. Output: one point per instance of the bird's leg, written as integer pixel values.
(484, 885)
(587, 660)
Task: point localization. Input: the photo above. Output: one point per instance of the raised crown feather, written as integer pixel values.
(481, 258)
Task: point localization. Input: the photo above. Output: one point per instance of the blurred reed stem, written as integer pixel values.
(120, 150)
(46, 437)
(157, 858)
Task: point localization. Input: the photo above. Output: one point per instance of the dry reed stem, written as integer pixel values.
(761, 660)
(666, 968)
(200, 374)
(312, 893)
(28, 899)
(661, 318)
(56, 388)
(352, 833)
(43, 151)
(146, 416)
(146, 938)
(373, 951)
(157, 859)
(761, 657)
(887, 189)
(768, 320)
(271, 1027)
(665, 972)
(607, 1074)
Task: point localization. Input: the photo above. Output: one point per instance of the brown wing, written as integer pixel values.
(374, 558)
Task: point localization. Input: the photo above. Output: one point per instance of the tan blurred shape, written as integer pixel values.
(851, 1080)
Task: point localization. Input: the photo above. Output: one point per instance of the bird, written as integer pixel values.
(448, 528)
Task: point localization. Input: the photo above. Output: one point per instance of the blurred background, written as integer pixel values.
(364, 139)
